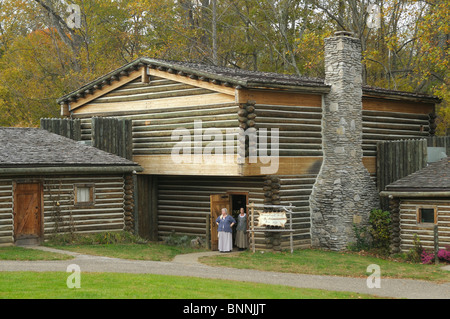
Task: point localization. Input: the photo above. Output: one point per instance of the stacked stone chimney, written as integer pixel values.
(344, 192)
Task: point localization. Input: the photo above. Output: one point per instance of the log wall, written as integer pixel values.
(6, 211)
(106, 214)
(409, 225)
(61, 215)
(296, 190)
(152, 129)
(300, 130)
(184, 202)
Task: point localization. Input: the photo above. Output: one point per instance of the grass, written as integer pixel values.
(122, 245)
(20, 253)
(318, 262)
(148, 251)
(52, 285)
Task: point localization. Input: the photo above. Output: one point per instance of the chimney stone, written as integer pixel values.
(343, 192)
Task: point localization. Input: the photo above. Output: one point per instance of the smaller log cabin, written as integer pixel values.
(418, 202)
(51, 184)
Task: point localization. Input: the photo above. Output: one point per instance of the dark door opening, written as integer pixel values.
(238, 201)
(233, 202)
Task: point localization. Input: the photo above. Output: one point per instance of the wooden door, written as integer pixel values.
(27, 211)
(217, 203)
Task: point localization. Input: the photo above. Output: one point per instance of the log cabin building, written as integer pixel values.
(191, 125)
(51, 184)
(418, 202)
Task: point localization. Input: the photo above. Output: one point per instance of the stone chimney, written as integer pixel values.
(344, 192)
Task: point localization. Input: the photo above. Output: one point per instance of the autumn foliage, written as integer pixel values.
(42, 58)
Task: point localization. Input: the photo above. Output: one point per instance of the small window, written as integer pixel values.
(84, 195)
(426, 216)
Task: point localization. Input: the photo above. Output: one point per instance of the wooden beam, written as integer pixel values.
(105, 89)
(278, 98)
(397, 106)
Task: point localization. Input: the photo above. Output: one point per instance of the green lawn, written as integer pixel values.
(318, 262)
(20, 253)
(52, 285)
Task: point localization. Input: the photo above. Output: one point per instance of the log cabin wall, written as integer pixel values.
(6, 211)
(105, 214)
(184, 202)
(293, 189)
(409, 225)
(60, 213)
(387, 120)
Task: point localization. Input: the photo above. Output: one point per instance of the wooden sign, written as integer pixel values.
(272, 219)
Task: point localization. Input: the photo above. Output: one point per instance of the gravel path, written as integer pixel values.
(187, 265)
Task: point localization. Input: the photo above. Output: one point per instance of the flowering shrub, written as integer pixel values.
(444, 254)
(427, 257)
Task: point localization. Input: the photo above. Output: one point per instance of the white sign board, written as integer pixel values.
(272, 219)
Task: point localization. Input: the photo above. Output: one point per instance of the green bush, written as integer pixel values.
(178, 240)
(380, 222)
(362, 240)
(415, 253)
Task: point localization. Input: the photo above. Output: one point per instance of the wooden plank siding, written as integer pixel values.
(6, 211)
(409, 225)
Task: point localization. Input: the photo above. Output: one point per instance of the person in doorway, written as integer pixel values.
(241, 230)
(225, 222)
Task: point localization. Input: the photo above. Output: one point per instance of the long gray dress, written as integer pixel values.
(241, 232)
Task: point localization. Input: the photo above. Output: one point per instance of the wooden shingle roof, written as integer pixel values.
(35, 148)
(433, 178)
(233, 77)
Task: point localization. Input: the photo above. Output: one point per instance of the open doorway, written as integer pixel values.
(237, 201)
(233, 201)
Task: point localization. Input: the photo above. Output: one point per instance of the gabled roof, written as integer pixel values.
(230, 77)
(36, 148)
(433, 178)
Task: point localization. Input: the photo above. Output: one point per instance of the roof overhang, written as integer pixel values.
(221, 80)
(415, 194)
(81, 170)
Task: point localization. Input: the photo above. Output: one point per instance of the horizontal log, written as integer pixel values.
(152, 96)
(211, 123)
(374, 113)
(287, 114)
(155, 87)
(287, 108)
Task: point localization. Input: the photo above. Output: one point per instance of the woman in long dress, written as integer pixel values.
(241, 230)
(225, 222)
